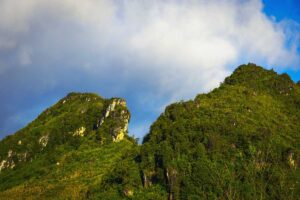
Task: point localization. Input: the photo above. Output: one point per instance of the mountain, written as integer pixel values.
(68, 148)
(239, 141)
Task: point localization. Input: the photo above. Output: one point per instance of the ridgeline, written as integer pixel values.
(239, 141)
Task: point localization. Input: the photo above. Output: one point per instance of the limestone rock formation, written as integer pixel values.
(117, 113)
(73, 118)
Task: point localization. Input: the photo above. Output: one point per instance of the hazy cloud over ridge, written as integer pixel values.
(151, 52)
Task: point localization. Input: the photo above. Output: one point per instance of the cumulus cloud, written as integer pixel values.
(144, 50)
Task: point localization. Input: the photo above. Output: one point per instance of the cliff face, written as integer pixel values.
(118, 112)
(69, 122)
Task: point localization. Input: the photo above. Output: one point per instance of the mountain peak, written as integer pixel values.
(249, 72)
(72, 121)
(260, 79)
(242, 134)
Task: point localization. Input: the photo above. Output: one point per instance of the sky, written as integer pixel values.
(150, 52)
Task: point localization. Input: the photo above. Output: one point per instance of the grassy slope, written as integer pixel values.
(78, 170)
(69, 165)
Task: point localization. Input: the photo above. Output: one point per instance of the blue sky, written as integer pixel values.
(285, 10)
(151, 53)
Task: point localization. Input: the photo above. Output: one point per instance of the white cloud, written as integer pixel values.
(179, 40)
(171, 49)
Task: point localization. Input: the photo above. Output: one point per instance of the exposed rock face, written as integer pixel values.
(171, 179)
(147, 177)
(120, 131)
(111, 108)
(12, 159)
(8, 162)
(144, 179)
(79, 132)
(291, 159)
(44, 140)
(118, 134)
(5, 164)
(117, 111)
(171, 175)
(128, 192)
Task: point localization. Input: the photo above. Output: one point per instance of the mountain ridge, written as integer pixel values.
(239, 141)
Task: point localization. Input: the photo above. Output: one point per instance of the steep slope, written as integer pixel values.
(66, 150)
(240, 141)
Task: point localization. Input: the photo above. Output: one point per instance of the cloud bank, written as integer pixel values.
(150, 52)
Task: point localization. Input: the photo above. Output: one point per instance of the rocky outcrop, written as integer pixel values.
(128, 192)
(12, 159)
(79, 132)
(8, 162)
(5, 164)
(291, 159)
(148, 177)
(170, 173)
(171, 176)
(43, 141)
(145, 181)
(111, 108)
(118, 112)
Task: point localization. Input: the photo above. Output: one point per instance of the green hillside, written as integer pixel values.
(66, 174)
(66, 150)
(239, 141)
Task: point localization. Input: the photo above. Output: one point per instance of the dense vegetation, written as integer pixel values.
(65, 173)
(240, 141)
(63, 152)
